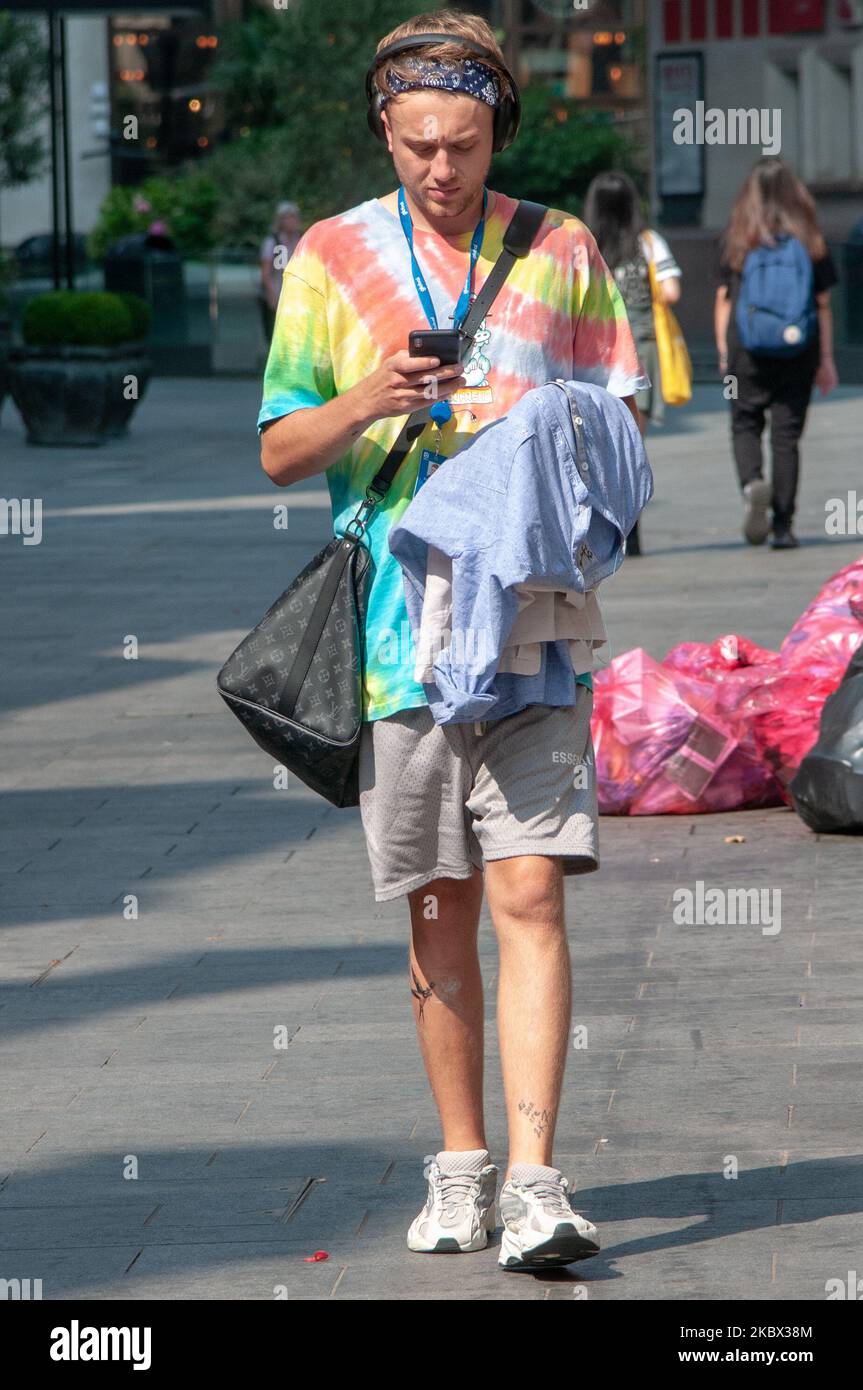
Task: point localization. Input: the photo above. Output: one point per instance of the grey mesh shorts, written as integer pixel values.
(438, 800)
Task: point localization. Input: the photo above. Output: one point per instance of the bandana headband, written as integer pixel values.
(451, 75)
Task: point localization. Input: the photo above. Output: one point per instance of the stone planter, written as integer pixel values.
(75, 395)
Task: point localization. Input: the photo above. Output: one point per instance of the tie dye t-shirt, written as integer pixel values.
(348, 302)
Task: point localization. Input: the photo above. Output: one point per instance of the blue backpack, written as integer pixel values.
(776, 314)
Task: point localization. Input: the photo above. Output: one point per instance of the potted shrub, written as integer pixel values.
(83, 365)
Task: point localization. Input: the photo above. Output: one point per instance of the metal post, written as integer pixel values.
(512, 16)
(55, 170)
(67, 181)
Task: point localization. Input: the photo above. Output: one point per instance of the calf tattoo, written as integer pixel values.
(422, 993)
(540, 1119)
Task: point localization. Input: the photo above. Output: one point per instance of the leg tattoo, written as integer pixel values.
(540, 1119)
(421, 993)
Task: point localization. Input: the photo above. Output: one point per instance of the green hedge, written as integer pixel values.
(139, 311)
(84, 318)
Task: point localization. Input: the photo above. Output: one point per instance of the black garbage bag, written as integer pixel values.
(827, 790)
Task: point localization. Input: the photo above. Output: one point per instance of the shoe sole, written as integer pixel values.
(554, 1252)
(756, 522)
(448, 1245)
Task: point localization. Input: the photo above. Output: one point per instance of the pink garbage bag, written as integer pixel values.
(670, 743)
(728, 654)
(722, 726)
(786, 708)
(828, 632)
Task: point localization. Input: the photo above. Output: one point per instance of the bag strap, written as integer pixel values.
(517, 241)
(650, 261)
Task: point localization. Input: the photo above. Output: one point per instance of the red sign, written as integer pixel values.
(795, 16)
(724, 19)
(673, 21)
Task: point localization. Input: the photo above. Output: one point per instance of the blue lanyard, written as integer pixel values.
(425, 298)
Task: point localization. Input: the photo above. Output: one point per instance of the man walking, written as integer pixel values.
(451, 809)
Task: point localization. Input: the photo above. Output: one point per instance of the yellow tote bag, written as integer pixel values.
(675, 366)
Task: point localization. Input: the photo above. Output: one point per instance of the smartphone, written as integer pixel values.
(443, 343)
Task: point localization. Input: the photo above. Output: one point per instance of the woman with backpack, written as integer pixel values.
(645, 269)
(774, 334)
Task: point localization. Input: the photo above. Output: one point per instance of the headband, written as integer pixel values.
(463, 75)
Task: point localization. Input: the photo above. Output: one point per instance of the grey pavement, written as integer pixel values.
(200, 1094)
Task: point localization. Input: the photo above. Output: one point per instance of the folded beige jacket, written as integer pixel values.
(545, 614)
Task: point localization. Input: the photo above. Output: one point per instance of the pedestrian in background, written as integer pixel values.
(612, 212)
(285, 232)
(774, 334)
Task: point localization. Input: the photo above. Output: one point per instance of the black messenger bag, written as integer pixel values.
(296, 681)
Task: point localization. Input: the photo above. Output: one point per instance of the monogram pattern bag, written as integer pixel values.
(296, 681)
(310, 723)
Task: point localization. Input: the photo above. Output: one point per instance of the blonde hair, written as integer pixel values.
(772, 201)
(461, 26)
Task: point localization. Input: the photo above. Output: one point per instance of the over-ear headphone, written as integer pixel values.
(507, 116)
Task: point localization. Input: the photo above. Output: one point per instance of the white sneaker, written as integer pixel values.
(541, 1229)
(459, 1211)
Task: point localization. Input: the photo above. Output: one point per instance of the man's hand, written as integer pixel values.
(307, 441)
(403, 384)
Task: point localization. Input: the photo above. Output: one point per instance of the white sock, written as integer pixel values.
(452, 1161)
(524, 1173)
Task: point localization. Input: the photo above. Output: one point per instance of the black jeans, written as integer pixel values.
(268, 318)
(783, 387)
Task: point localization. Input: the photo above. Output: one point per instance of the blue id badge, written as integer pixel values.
(429, 461)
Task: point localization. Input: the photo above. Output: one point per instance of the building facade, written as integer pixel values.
(797, 63)
(150, 65)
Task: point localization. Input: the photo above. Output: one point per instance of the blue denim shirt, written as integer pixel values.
(547, 494)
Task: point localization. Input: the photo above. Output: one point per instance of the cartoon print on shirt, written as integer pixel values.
(477, 365)
(476, 369)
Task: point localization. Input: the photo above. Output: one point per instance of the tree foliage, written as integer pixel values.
(23, 97)
(291, 83)
(294, 80)
(559, 150)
